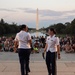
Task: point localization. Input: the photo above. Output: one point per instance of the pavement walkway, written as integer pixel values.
(9, 64)
(37, 68)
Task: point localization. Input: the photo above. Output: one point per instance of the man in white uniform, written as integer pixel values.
(23, 40)
(52, 48)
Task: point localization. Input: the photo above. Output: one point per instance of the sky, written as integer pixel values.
(50, 11)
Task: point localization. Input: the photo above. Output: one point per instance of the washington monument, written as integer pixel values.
(37, 21)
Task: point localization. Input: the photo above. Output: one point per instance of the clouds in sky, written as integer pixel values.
(50, 13)
(8, 10)
(42, 13)
(46, 16)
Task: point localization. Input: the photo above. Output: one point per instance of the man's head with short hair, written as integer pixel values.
(24, 27)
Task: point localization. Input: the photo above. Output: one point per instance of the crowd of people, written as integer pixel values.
(7, 44)
(66, 43)
(38, 43)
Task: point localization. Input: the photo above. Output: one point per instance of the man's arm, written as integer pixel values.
(58, 51)
(15, 46)
(30, 41)
(58, 47)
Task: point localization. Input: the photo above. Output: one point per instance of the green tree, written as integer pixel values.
(72, 27)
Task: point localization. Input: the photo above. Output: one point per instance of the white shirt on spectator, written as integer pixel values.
(52, 43)
(22, 37)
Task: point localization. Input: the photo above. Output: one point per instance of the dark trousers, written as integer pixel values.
(51, 62)
(24, 55)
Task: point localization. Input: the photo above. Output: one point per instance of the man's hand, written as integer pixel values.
(59, 56)
(58, 47)
(14, 51)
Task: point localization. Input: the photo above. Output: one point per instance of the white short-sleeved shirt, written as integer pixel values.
(22, 37)
(52, 43)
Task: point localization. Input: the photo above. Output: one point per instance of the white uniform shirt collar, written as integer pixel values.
(52, 36)
(22, 31)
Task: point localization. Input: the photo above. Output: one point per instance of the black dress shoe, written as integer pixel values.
(26, 74)
(49, 74)
(28, 70)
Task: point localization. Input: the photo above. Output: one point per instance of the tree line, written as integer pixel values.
(67, 28)
(6, 28)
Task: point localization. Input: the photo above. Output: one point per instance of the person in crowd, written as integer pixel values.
(32, 45)
(6, 45)
(62, 44)
(23, 41)
(36, 47)
(73, 47)
(0, 45)
(68, 47)
(11, 44)
(73, 39)
(40, 45)
(43, 41)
